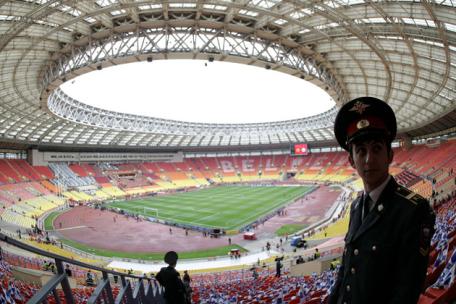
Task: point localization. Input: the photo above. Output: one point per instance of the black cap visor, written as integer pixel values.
(370, 134)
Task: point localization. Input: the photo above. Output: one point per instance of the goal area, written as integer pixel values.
(145, 211)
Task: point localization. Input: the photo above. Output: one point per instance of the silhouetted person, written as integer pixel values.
(278, 266)
(169, 278)
(68, 270)
(89, 279)
(186, 279)
(316, 254)
(188, 289)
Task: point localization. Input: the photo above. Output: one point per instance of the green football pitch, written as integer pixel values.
(224, 207)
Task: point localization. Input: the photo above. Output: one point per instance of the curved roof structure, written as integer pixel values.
(403, 52)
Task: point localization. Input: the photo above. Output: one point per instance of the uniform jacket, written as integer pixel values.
(386, 254)
(169, 278)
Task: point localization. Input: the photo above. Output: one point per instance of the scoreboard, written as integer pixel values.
(299, 149)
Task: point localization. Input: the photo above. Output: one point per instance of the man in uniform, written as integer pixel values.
(169, 278)
(387, 243)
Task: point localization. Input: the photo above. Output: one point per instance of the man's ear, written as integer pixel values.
(350, 159)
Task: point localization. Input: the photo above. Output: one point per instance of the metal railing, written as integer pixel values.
(133, 289)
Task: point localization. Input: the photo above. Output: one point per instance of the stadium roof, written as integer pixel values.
(403, 52)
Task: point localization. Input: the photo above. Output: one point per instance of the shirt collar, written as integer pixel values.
(375, 194)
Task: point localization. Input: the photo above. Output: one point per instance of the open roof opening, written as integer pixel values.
(200, 91)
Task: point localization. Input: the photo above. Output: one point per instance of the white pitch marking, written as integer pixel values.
(69, 228)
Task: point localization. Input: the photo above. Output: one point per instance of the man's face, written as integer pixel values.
(371, 158)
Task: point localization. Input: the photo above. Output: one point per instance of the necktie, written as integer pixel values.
(366, 203)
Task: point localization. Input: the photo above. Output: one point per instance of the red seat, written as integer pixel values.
(438, 296)
(318, 294)
(295, 301)
(313, 301)
(433, 274)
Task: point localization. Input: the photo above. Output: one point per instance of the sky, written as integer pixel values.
(199, 91)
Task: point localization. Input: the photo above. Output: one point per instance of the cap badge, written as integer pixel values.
(359, 107)
(363, 123)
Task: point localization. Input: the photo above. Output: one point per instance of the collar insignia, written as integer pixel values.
(359, 107)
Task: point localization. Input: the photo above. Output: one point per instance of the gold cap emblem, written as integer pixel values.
(359, 107)
(363, 123)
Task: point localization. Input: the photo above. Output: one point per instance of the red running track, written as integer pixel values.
(98, 229)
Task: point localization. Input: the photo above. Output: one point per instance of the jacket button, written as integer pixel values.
(374, 248)
(353, 271)
(356, 251)
(348, 288)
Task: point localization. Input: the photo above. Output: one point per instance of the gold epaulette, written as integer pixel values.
(409, 195)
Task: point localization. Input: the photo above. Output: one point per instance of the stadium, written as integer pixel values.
(93, 191)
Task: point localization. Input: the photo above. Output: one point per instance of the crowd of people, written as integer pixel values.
(266, 287)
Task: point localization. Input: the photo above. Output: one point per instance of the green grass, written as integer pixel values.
(225, 207)
(49, 221)
(289, 229)
(219, 251)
